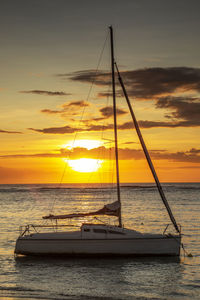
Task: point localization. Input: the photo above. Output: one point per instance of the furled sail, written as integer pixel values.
(111, 209)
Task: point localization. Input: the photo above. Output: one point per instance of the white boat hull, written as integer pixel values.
(142, 246)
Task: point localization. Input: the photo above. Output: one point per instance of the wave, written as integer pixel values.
(18, 288)
(94, 187)
(41, 294)
(139, 186)
(14, 190)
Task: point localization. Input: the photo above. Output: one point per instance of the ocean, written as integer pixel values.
(100, 278)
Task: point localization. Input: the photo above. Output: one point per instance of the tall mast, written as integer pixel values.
(153, 171)
(115, 122)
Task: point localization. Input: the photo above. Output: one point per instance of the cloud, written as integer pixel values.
(56, 130)
(67, 108)
(185, 109)
(46, 93)
(50, 111)
(37, 155)
(146, 83)
(129, 154)
(160, 85)
(124, 126)
(8, 131)
(108, 111)
(185, 112)
(190, 156)
(178, 156)
(152, 124)
(69, 129)
(129, 143)
(77, 103)
(71, 109)
(99, 127)
(118, 93)
(182, 112)
(193, 151)
(88, 76)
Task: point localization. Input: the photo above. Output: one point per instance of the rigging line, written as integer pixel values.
(107, 101)
(89, 92)
(90, 89)
(102, 132)
(91, 86)
(103, 128)
(150, 163)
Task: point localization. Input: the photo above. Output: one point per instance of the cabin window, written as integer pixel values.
(115, 232)
(100, 230)
(86, 230)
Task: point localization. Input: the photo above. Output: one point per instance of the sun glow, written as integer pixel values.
(84, 165)
(88, 144)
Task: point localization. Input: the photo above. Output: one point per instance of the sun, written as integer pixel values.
(84, 165)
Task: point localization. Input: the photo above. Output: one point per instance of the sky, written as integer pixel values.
(55, 95)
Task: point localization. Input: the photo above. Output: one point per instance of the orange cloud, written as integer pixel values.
(190, 156)
(67, 108)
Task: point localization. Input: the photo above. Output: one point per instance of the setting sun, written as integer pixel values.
(84, 165)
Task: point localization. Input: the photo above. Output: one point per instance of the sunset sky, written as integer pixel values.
(52, 115)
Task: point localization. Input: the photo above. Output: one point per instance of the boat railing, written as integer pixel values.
(31, 228)
(170, 225)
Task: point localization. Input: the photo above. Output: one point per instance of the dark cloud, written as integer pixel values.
(108, 111)
(193, 151)
(152, 124)
(99, 127)
(91, 127)
(184, 108)
(50, 111)
(146, 83)
(160, 85)
(129, 143)
(185, 113)
(8, 131)
(109, 94)
(88, 76)
(88, 126)
(68, 129)
(77, 103)
(56, 130)
(126, 125)
(46, 93)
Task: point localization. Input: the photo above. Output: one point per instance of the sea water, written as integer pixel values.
(100, 278)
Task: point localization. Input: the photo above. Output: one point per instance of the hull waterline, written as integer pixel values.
(137, 246)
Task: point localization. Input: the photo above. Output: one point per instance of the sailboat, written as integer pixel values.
(103, 239)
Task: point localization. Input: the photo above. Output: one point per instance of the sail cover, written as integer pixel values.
(111, 209)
